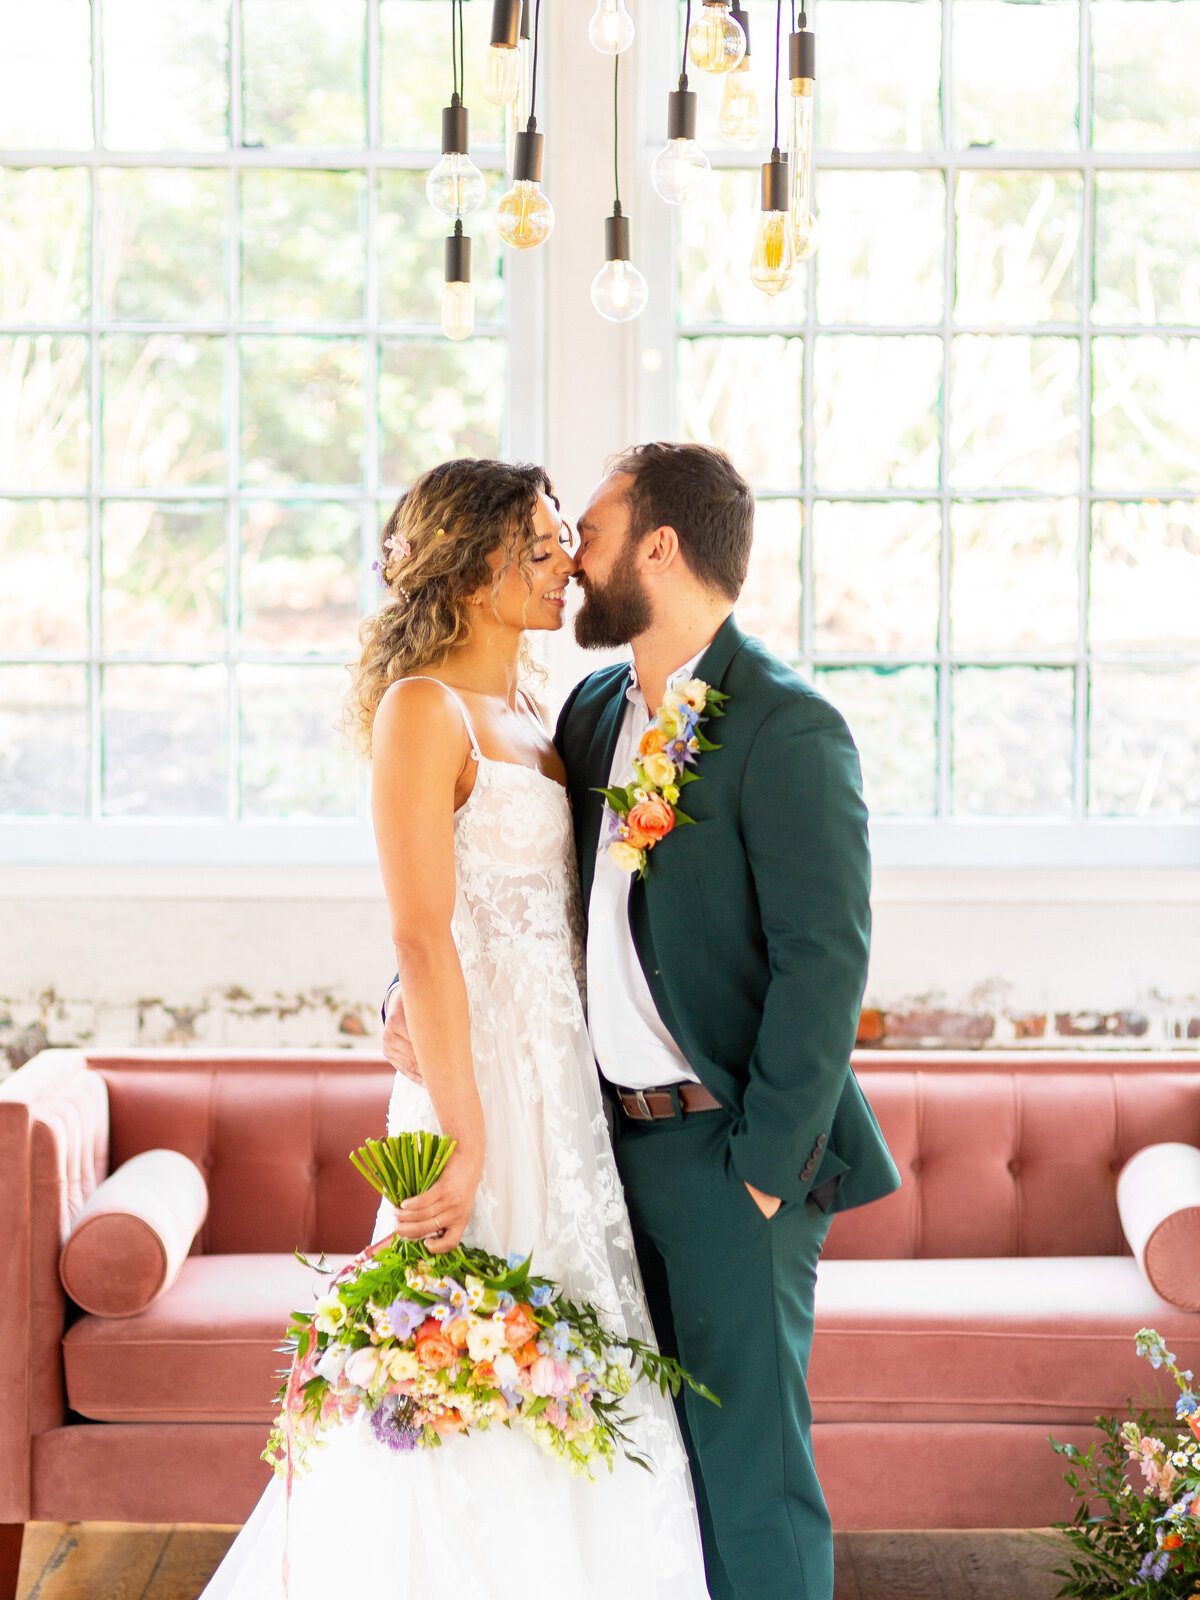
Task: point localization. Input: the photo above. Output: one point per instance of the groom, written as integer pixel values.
(723, 996)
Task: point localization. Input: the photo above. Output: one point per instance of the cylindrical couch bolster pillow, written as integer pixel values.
(1158, 1197)
(129, 1242)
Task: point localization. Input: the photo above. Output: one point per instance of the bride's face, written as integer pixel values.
(537, 597)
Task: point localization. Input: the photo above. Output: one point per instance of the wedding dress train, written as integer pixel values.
(492, 1515)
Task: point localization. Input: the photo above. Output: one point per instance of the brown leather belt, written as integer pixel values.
(663, 1105)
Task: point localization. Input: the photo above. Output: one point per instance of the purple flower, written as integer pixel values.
(392, 1424)
(405, 1317)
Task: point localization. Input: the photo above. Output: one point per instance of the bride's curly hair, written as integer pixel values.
(434, 550)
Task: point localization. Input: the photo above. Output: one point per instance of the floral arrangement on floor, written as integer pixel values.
(646, 810)
(1145, 1542)
(429, 1345)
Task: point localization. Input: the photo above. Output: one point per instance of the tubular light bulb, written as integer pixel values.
(619, 292)
(502, 69)
(611, 29)
(740, 119)
(524, 217)
(806, 232)
(717, 41)
(458, 293)
(773, 260)
(680, 171)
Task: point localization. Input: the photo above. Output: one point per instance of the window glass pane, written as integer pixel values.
(1014, 576)
(1147, 266)
(1018, 247)
(161, 403)
(302, 246)
(879, 66)
(1146, 413)
(1144, 56)
(162, 239)
(1016, 74)
(1013, 736)
(876, 411)
(410, 234)
(415, 75)
(716, 238)
(745, 396)
(43, 740)
(300, 577)
(875, 577)
(438, 399)
(43, 413)
(166, 74)
(1014, 420)
(892, 712)
(45, 219)
(46, 76)
(164, 741)
(296, 761)
(1145, 731)
(883, 243)
(1145, 590)
(769, 604)
(301, 411)
(304, 72)
(164, 577)
(44, 559)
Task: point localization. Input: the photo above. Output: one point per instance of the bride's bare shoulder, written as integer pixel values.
(418, 713)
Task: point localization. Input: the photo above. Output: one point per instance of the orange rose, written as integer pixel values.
(653, 741)
(527, 1354)
(433, 1349)
(449, 1422)
(519, 1327)
(485, 1374)
(1172, 1541)
(456, 1332)
(653, 819)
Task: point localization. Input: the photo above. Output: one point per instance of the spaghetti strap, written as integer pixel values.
(419, 677)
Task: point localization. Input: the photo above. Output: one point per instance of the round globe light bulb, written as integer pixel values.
(455, 187)
(717, 41)
(680, 171)
(525, 217)
(611, 29)
(619, 291)
(806, 234)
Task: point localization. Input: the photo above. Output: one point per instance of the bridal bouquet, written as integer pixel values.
(1144, 1540)
(426, 1346)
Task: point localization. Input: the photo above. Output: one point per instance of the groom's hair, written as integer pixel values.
(697, 491)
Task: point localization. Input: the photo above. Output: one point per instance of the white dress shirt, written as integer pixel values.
(630, 1040)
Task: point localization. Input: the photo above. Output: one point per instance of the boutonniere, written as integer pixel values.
(647, 809)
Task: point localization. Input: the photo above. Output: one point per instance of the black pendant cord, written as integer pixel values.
(616, 125)
(778, 24)
(462, 53)
(537, 34)
(793, 16)
(687, 28)
(455, 90)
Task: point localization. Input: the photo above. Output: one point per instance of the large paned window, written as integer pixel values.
(220, 361)
(973, 424)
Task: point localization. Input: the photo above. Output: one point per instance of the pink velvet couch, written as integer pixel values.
(989, 1302)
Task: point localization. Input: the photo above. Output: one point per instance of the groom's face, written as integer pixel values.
(616, 607)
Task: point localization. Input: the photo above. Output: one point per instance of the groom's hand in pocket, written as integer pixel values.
(397, 1045)
(768, 1204)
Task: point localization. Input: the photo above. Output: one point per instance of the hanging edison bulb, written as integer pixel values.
(517, 112)
(611, 29)
(773, 260)
(619, 291)
(525, 217)
(802, 60)
(455, 187)
(502, 69)
(458, 293)
(681, 170)
(740, 120)
(717, 41)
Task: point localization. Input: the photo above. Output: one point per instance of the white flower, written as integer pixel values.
(485, 1340)
(625, 856)
(331, 1363)
(329, 1313)
(693, 693)
(362, 1366)
(506, 1369)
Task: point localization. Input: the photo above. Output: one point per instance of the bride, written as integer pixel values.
(476, 852)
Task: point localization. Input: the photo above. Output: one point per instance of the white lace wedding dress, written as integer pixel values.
(491, 1515)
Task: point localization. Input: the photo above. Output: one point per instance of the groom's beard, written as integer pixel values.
(614, 614)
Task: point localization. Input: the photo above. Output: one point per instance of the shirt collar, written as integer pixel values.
(681, 674)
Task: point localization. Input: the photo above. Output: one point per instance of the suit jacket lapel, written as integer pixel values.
(600, 757)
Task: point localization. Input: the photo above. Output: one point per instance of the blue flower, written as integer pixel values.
(504, 1303)
(1186, 1405)
(562, 1338)
(541, 1295)
(515, 1260)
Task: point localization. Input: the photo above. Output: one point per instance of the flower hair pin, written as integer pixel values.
(646, 810)
(398, 545)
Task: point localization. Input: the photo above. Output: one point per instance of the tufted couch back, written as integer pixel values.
(1007, 1154)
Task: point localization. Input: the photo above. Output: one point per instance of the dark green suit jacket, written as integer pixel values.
(753, 925)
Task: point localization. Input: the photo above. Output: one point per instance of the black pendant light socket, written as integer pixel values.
(458, 256)
(681, 114)
(506, 23)
(775, 183)
(526, 29)
(741, 17)
(527, 158)
(802, 54)
(455, 139)
(616, 235)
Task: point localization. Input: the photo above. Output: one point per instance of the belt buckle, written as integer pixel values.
(643, 1105)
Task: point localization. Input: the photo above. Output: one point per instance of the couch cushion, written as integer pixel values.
(999, 1340)
(207, 1351)
(131, 1238)
(1158, 1196)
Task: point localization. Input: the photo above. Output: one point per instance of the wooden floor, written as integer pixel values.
(108, 1561)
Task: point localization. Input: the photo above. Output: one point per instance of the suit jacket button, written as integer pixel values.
(820, 1144)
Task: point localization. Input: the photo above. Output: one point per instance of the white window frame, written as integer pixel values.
(943, 840)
